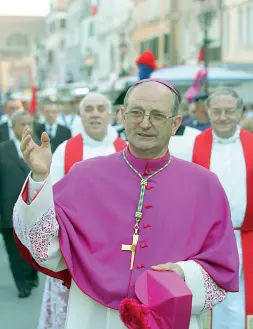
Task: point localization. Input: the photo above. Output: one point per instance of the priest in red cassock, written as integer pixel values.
(112, 220)
(97, 138)
(226, 150)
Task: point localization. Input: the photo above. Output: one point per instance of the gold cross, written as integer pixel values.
(132, 248)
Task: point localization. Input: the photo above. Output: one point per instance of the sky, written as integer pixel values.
(24, 7)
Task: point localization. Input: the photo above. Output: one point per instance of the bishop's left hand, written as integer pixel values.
(170, 267)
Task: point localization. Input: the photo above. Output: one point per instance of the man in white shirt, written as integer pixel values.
(11, 106)
(58, 133)
(13, 172)
(226, 150)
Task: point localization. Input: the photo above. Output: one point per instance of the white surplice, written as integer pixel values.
(55, 296)
(228, 163)
(181, 146)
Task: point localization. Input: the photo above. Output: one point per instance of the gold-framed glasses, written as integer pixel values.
(155, 118)
(216, 113)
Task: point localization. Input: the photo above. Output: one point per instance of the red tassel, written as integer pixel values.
(134, 314)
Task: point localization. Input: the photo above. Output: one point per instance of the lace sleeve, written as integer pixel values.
(37, 228)
(213, 293)
(38, 237)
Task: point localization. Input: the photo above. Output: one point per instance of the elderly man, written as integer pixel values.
(13, 173)
(11, 106)
(227, 151)
(97, 138)
(113, 218)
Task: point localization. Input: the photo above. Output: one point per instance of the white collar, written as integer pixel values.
(233, 139)
(53, 126)
(107, 141)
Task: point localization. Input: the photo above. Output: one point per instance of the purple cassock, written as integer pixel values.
(186, 216)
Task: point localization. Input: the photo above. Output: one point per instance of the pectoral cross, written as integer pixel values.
(132, 248)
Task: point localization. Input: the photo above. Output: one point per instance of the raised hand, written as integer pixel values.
(38, 158)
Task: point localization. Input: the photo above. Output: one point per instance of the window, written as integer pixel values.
(112, 59)
(17, 40)
(168, 5)
(166, 48)
(91, 30)
(62, 44)
(249, 27)
(151, 44)
(154, 46)
(240, 27)
(142, 47)
(23, 81)
(227, 32)
(50, 57)
(166, 43)
(51, 27)
(63, 23)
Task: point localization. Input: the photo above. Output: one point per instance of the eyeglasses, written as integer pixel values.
(216, 113)
(155, 118)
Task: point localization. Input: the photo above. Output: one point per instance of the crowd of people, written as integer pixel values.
(69, 218)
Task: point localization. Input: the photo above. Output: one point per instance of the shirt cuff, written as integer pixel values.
(34, 187)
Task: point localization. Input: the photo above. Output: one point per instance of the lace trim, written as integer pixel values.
(213, 293)
(36, 238)
(54, 305)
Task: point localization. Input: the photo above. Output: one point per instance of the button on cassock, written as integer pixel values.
(148, 187)
(139, 266)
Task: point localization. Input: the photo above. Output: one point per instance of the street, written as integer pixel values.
(16, 313)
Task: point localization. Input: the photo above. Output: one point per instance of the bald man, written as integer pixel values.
(115, 219)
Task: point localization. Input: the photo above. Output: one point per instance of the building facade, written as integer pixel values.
(156, 29)
(18, 35)
(195, 18)
(108, 45)
(77, 11)
(238, 33)
(51, 52)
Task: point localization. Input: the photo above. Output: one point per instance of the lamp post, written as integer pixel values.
(205, 19)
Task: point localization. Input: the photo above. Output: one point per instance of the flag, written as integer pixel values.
(33, 104)
(201, 55)
(94, 7)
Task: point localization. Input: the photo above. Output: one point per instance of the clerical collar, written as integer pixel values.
(107, 141)
(232, 139)
(147, 166)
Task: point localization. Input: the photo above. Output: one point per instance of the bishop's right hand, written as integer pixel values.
(38, 158)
